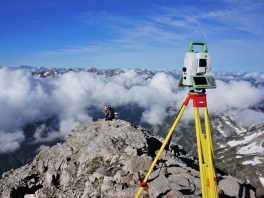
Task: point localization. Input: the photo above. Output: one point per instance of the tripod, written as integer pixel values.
(204, 147)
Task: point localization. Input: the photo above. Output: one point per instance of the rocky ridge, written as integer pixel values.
(110, 159)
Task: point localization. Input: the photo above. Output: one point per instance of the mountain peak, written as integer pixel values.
(110, 159)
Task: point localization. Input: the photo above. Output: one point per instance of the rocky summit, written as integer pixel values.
(110, 159)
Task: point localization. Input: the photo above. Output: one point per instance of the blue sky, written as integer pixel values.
(131, 33)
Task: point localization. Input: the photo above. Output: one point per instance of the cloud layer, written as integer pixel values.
(26, 99)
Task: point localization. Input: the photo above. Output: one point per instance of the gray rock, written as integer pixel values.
(107, 184)
(233, 187)
(176, 170)
(137, 163)
(183, 182)
(129, 192)
(158, 186)
(99, 159)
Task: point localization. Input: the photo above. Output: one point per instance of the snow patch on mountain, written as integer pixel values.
(228, 122)
(246, 139)
(255, 161)
(261, 179)
(250, 149)
(225, 125)
(221, 145)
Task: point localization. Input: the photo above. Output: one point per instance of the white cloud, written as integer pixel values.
(248, 117)
(155, 115)
(25, 99)
(10, 142)
(40, 148)
(233, 94)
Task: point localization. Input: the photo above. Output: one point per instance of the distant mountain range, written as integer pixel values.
(54, 72)
(257, 78)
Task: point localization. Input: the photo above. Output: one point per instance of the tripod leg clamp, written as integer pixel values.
(144, 185)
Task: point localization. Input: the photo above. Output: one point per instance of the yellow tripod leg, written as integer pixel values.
(206, 156)
(161, 149)
(198, 129)
(211, 180)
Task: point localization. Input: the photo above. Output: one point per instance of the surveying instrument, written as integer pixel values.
(197, 76)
